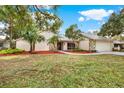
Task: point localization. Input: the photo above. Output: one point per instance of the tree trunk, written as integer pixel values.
(10, 30)
(12, 43)
(55, 46)
(78, 43)
(74, 44)
(31, 47)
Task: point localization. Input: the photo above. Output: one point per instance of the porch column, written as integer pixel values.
(92, 44)
(119, 48)
(65, 47)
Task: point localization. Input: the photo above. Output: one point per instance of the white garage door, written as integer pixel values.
(103, 46)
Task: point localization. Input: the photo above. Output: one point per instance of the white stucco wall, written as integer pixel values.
(84, 44)
(103, 46)
(100, 45)
(42, 46)
(22, 44)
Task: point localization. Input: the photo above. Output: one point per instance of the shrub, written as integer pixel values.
(78, 50)
(122, 50)
(11, 51)
(81, 50)
(93, 51)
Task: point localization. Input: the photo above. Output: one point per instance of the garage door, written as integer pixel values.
(103, 46)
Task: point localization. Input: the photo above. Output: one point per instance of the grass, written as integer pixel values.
(62, 71)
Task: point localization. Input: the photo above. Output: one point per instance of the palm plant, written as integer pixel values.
(53, 41)
(32, 35)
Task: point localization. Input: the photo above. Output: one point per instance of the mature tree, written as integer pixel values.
(114, 26)
(44, 21)
(48, 23)
(18, 19)
(118, 37)
(15, 18)
(33, 35)
(74, 33)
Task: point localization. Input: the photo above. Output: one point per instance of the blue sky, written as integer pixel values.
(91, 16)
(87, 17)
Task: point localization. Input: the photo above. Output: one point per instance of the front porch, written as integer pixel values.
(66, 45)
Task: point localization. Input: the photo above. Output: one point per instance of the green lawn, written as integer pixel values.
(62, 71)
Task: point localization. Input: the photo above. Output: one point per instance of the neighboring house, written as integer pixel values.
(91, 42)
(2, 40)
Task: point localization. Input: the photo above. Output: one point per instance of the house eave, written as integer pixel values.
(68, 41)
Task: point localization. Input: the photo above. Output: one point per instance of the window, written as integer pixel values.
(116, 45)
(122, 46)
(1, 44)
(71, 46)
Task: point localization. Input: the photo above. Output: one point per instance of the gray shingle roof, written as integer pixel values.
(95, 37)
(86, 35)
(118, 42)
(63, 38)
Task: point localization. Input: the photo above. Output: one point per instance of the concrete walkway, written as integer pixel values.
(100, 53)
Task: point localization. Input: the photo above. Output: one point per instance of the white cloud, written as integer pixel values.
(81, 19)
(96, 14)
(47, 7)
(101, 22)
(1, 25)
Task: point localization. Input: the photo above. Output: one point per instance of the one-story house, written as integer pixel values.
(90, 43)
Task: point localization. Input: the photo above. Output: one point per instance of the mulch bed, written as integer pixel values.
(80, 52)
(36, 52)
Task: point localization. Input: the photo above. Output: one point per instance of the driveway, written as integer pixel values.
(100, 53)
(114, 53)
